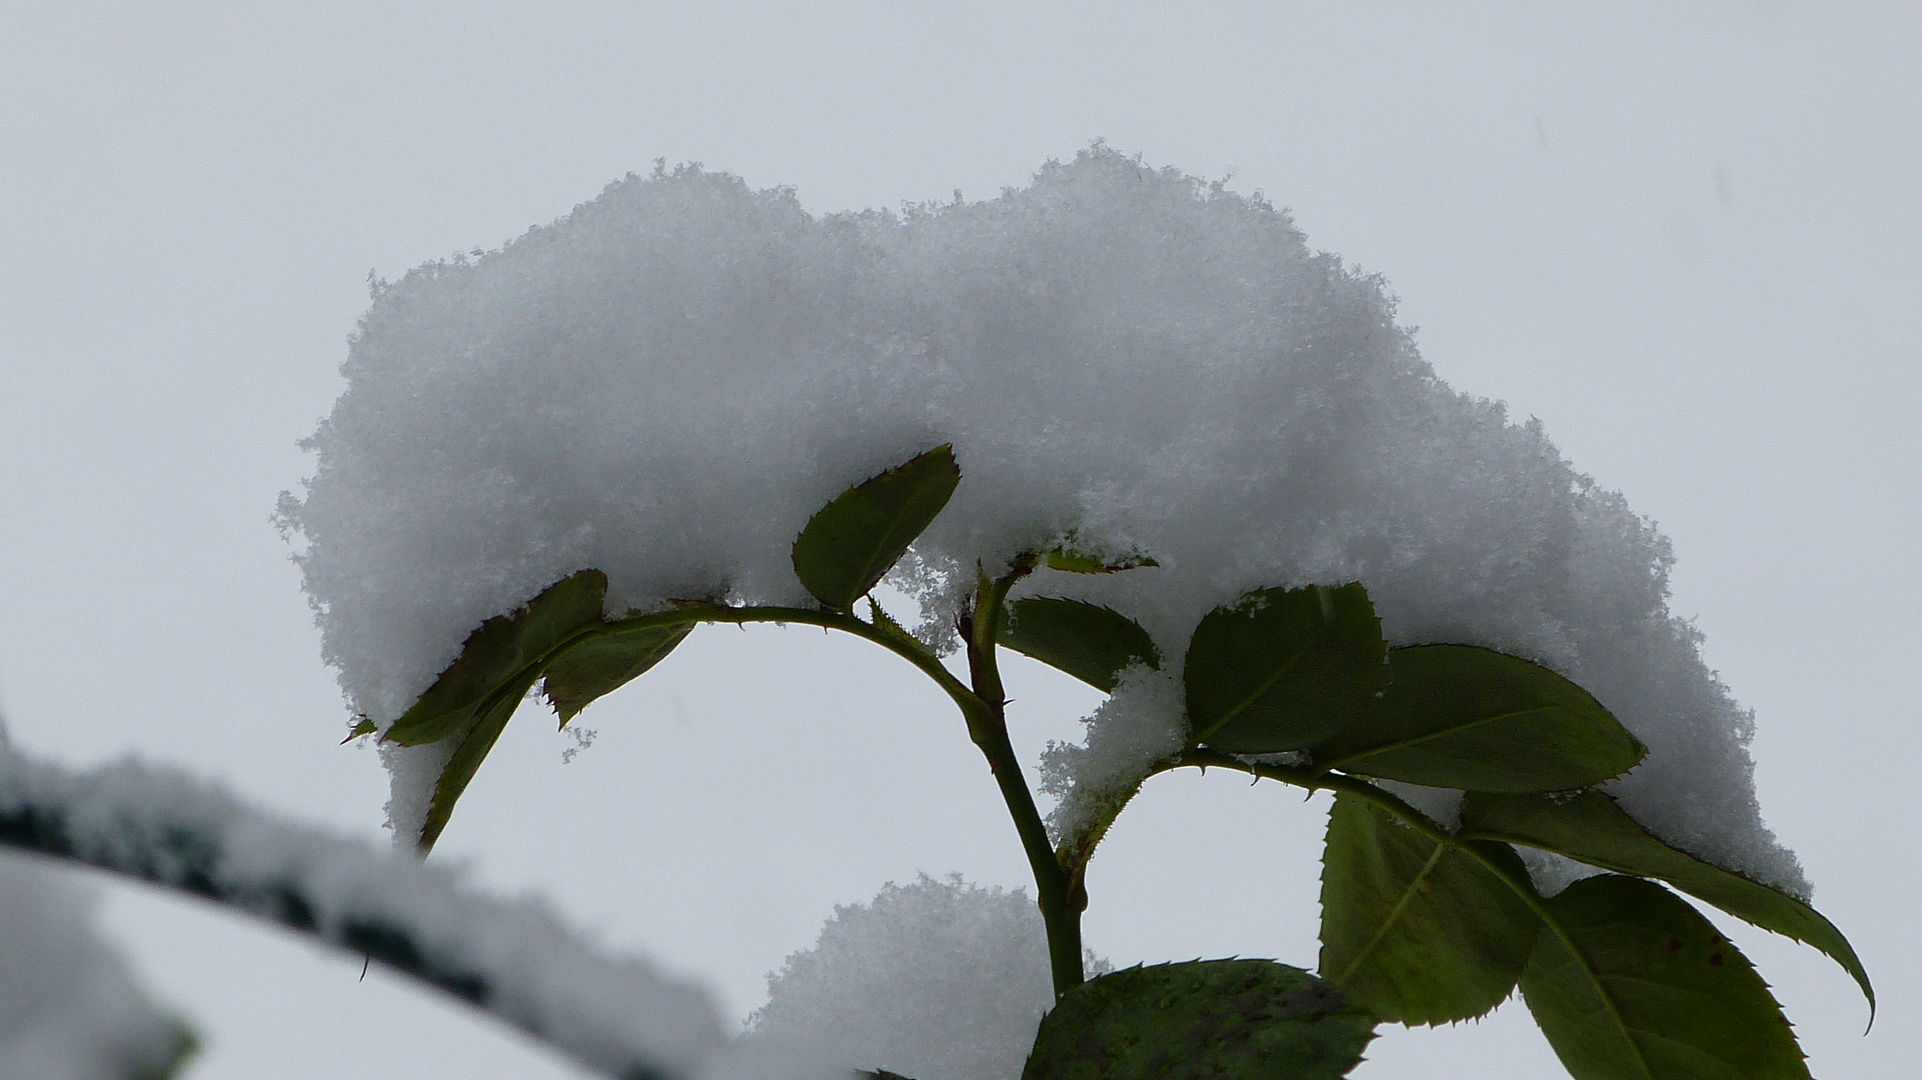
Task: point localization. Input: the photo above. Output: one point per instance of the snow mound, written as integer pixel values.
(938, 980)
(666, 383)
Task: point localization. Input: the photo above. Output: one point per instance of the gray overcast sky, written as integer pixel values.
(1688, 242)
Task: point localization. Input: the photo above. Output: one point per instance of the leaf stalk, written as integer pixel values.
(982, 705)
(1060, 899)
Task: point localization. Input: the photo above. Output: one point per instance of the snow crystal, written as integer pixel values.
(666, 383)
(1141, 723)
(515, 959)
(69, 1007)
(937, 980)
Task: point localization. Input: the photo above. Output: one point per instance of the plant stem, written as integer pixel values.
(1061, 904)
(983, 707)
(1316, 780)
(834, 620)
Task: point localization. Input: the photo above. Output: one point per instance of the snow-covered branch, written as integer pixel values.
(617, 1015)
(70, 1007)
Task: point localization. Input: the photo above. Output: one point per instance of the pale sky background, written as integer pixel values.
(1687, 241)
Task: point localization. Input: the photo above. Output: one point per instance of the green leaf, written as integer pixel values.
(601, 664)
(1628, 982)
(1282, 668)
(1465, 717)
(1413, 929)
(1227, 1019)
(361, 727)
(1088, 641)
(489, 721)
(473, 699)
(1591, 828)
(1066, 556)
(855, 539)
(505, 652)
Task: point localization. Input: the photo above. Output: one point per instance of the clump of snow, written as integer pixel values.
(1550, 872)
(69, 1006)
(618, 1015)
(937, 980)
(1443, 806)
(414, 771)
(1142, 722)
(667, 382)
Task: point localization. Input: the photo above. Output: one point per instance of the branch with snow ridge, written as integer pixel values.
(515, 960)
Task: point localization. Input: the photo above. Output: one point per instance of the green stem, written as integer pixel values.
(693, 612)
(929, 664)
(1316, 780)
(983, 707)
(1061, 902)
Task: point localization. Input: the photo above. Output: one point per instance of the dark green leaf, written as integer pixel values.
(1088, 641)
(601, 664)
(855, 539)
(1591, 828)
(489, 721)
(362, 727)
(473, 699)
(1226, 1019)
(1072, 559)
(507, 650)
(1464, 717)
(1630, 983)
(1282, 668)
(1417, 931)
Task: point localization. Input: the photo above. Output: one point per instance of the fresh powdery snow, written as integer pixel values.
(936, 979)
(667, 382)
(1127, 734)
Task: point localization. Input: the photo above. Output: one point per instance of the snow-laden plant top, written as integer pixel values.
(1125, 422)
(665, 384)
